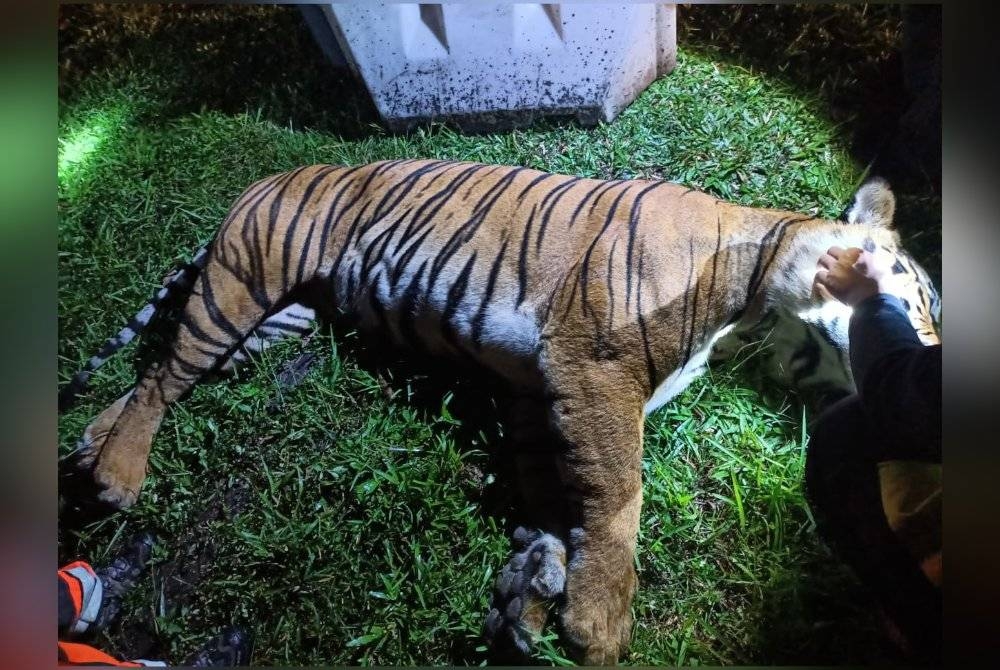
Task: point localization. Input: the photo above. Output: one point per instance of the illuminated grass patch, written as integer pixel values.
(82, 140)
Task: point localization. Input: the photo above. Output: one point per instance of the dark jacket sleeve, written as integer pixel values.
(898, 380)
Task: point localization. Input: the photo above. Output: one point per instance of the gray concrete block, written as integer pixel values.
(489, 66)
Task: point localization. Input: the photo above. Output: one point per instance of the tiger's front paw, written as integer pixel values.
(597, 617)
(599, 632)
(528, 584)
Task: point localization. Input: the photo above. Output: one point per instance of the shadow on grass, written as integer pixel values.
(818, 614)
(228, 58)
(875, 67)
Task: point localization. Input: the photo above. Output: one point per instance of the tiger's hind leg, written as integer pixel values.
(220, 313)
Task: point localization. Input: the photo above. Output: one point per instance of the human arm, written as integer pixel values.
(897, 377)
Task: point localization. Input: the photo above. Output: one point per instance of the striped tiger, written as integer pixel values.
(595, 301)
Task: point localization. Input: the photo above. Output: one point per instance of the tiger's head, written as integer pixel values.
(870, 217)
(867, 224)
(803, 338)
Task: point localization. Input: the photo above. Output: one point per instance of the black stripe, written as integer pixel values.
(214, 313)
(362, 192)
(250, 236)
(377, 308)
(408, 307)
(522, 260)
(540, 178)
(236, 265)
(369, 253)
(275, 209)
(466, 231)
(282, 327)
(599, 194)
(761, 249)
(488, 173)
(760, 269)
(694, 301)
(205, 352)
(286, 247)
(188, 366)
(196, 332)
(774, 252)
(555, 194)
(633, 225)
(178, 375)
(651, 371)
(477, 322)
(420, 220)
(455, 295)
(328, 224)
(296, 317)
(304, 253)
(598, 191)
(585, 265)
(549, 304)
(572, 295)
(347, 240)
(611, 288)
(404, 187)
(248, 198)
(351, 285)
(715, 265)
(404, 260)
(253, 283)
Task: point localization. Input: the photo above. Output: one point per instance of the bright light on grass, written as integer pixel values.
(79, 146)
(73, 151)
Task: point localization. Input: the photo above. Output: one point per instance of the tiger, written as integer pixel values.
(594, 301)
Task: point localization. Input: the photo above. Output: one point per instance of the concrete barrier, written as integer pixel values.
(487, 66)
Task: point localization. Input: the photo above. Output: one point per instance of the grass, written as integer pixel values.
(359, 517)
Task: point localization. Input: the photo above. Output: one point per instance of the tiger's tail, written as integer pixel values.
(181, 281)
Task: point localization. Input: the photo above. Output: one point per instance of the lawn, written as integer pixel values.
(358, 517)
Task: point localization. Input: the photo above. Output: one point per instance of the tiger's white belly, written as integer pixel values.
(679, 379)
(503, 336)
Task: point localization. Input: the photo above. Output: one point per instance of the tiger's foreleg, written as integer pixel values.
(598, 411)
(222, 310)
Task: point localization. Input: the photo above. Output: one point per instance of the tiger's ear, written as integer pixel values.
(874, 204)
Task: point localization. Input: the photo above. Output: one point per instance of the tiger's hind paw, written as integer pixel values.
(533, 578)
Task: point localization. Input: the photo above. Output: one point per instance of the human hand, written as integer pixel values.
(852, 275)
